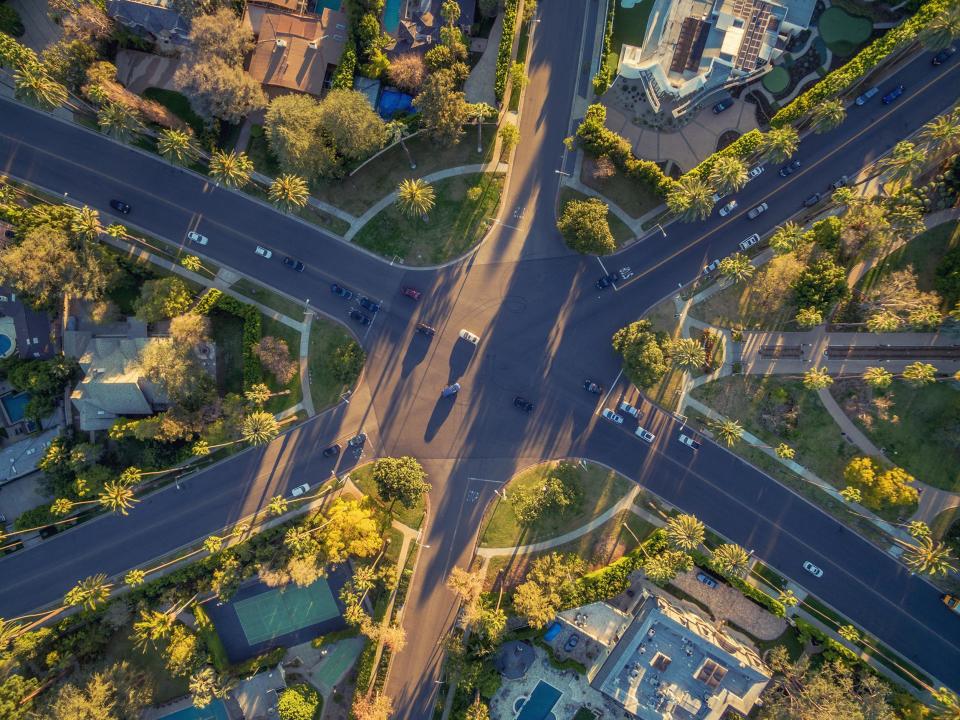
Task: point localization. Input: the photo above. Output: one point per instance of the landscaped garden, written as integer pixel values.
(629, 27)
(777, 80)
(633, 198)
(842, 32)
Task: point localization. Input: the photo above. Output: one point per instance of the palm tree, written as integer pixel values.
(779, 144)
(116, 231)
(258, 394)
(942, 29)
(299, 540)
(941, 136)
(191, 263)
(849, 633)
(233, 169)
(920, 373)
(117, 497)
(685, 532)
(817, 379)
(787, 598)
(690, 199)
(35, 86)
(786, 238)
(213, 544)
(918, 529)
(948, 705)
(688, 353)
(728, 174)
(205, 685)
(396, 132)
(728, 430)
(828, 115)
(277, 505)
(415, 197)
(135, 578)
(259, 428)
(289, 192)
(883, 321)
(809, 317)
(86, 224)
(480, 112)
(877, 377)
(904, 162)
(177, 146)
(730, 559)
(118, 121)
(785, 452)
(906, 220)
(9, 631)
(845, 197)
(152, 627)
(89, 593)
(928, 557)
(737, 267)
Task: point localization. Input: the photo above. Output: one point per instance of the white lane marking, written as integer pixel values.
(604, 403)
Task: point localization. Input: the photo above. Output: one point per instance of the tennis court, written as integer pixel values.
(278, 612)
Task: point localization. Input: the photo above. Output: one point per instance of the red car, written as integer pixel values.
(411, 292)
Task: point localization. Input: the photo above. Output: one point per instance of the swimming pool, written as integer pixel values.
(6, 344)
(391, 16)
(540, 702)
(213, 711)
(15, 406)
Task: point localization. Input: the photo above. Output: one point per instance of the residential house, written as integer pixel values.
(23, 330)
(415, 24)
(21, 458)
(155, 20)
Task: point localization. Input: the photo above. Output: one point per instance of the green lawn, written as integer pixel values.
(226, 330)
(776, 80)
(166, 687)
(259, 152)
(632, 197)
(598, 487)
(176, 103)
(325, 338)
(269, 298)
(277, 329)
(843, 32)
(621, 231)
(381, 176)
(362, 477)
(521, 58)
(917, 426)
(629, 26)
(455, 224)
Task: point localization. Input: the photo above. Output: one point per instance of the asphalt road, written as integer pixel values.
(544, 328)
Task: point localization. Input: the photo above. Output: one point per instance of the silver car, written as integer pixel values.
(755, 212)
(612, 416)
(812, 569)
(195, 237)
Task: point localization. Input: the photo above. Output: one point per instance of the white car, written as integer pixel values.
(755, 171)
(300, 490)
(728, 208)
(469, 337)
(197, 238)
(612, 416)
(717, 197)
(689, 442)
(263, 252)
(707, 269)
(812, 569)
(629, 409)
(645, 435)
(749, 242)
(755, 212)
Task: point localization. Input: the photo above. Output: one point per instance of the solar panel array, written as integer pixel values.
(690, 44)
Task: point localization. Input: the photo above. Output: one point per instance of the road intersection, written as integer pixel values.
(544, 328)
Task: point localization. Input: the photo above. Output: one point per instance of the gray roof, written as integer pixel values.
(799, 12)
(154, 17)
(21, 458)
(32, 327)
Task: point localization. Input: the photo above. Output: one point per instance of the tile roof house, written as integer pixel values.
(27, 331)
(157, 20)
(295, 52)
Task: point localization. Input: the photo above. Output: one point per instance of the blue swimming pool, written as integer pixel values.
(15, 406)
(5, 344)
(391, 16)
(213, 711)
(540, 702)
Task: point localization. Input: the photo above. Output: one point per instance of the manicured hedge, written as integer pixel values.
(743, 148)
(505, 49)
(597, 139)
(252, 371)
(210, 297)
(343, 76)
(603, 78)
(841, 79)
(365, 666)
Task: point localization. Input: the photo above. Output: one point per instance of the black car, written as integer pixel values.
(357, 441)
(892, 95)
(941, 57)
(425, 329)
(360, 317)
(812, 200)
(368, 304)
(120, 206)
(591, 387)
(522, 403)
(571, 642)
(332, 451)
(341, 291)
(607, 280)
(293, 264)
(790, 169)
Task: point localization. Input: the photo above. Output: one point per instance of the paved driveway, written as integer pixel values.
(40, 29)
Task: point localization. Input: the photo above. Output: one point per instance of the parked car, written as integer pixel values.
(707, 269)
(522, 403)
(722, 105)
(749, 242)
(612, 416)
(645, 435)
(591, 387)
(625, 273)
(728, 208)
(571, 642)
(840, 182)
(368, 304)
(706, 580)
(812, 569)
(264, 252)
(450, 390)
(357, 440)
(941, 57)
(195, 237)
(607, 280)
(755, 212)
(951, 601)
(341, 291)
(812, 200)
(865, 98)
(629, 409)
(425, 329)
(411, 292)
(293, 264)
(717, 197)
(300, 490)
(755, 171)
(332, 451)
(689, 442)
(892, 95)
(360, 317)
(790, 168)
(469, 337)
(121, 207)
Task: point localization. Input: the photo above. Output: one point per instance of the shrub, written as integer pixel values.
(505, 49)
(603, 78)
(584, 226)
(743, 148)
(343, 76)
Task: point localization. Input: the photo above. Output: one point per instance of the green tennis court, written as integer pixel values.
(278, 612)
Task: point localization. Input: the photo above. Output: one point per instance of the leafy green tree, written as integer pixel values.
(879, 488)
(401, 479)
(685, 532)
(14, 693)
(584, 226)
(67, 61)
(289, 192)
(817, 378)
(415, 197)
(820, 285)
(298, 702)
(407, 72)
(117, 692)
(233, 169)
(351, 124)
(371, 707)
(163, 298)
(45, 380)
(947, 281)
(779, 144)
(690, 199)
(177, 146)
(350, 529)
(687, 353)
(220, 34)
(731, 560)
(828, 115)
(642, 351)
(293, 130)
(443, 108)
(737, 267)
(205, 685)
(509, 137)
(728, 174)
(549, 582)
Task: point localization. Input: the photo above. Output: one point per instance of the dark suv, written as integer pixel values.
(293, 264)
(120, 206)
(522, 403)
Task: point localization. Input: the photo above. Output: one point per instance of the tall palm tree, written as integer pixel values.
(233, 168)
(205, 685)
(118, 121)
(258, 394)
(779, 144)
(89, 593)
(36, 87)
(828, 115)
(785, 452)
(685, 532)
(259, 428)
(728, 174)
(415, 197)
(177, 146)
(9, 631)
(730, 559)
(116, 231)
(277, 505)
(941, 30)
(928, 557)
(396, 132)
(289, 192)
(152, 627)
(845, 197)
(786, 238)
(480, 112)
(688, 353)
(809, 317)
(690, 199)
(948, 705)
(903, 163)
(737, 267)
(728, 430)
(135, 578)
(86, 224)
(906, 220)
(920, 373)
(941, 136)
(787, 598)
(877, 377)
(817, 378)
(116, 496)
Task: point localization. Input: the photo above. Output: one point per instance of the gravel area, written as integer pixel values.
(726, 603)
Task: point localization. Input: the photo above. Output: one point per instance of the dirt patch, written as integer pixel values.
(726, 603)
